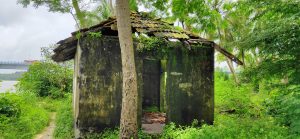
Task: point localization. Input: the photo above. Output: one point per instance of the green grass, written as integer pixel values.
(64, 120)
(50, 104)
(229, 126)
(26, 117)
(32, 115)
(151, 109)
(114, 134)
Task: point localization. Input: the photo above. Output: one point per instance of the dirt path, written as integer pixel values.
(48, 131)
(153, 122)
(154, 128)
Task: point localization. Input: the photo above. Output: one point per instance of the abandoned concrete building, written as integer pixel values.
(175, 72)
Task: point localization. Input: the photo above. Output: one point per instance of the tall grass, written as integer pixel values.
(64, 120)
(25, 119)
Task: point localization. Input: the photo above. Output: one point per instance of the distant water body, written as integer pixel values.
(9, 71)
(8, 86)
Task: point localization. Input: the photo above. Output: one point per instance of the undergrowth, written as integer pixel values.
(47, 79)
(20, 116)
(64, 120)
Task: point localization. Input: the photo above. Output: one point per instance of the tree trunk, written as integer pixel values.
(243, 58)
(128, 123)
(79, 14)
(111, 8)
(230, 65)
(229, 61)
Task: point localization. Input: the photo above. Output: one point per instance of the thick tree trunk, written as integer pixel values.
(128, 123)
(79, 14)
(111, 7)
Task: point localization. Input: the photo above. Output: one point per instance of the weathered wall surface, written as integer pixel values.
(76, 90)
(189, 87)
(98, 84)
(186, 85)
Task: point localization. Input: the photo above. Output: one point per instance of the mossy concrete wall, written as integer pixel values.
(190, 85)
(181, 84)
(98, 84)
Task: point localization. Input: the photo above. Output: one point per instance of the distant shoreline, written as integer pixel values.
(11, 75)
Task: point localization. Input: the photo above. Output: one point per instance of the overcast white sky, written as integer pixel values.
(23, 31)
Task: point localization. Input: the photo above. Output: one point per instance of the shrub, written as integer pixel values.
(47, 79)
(284, 105)
(114, 134)
(31, 118)
(9, 107)
(229, 127)
(230, 97)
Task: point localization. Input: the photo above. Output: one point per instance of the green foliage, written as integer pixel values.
(284, 105)
(152, 46)
(159, 47)
(133, 5)
(107, 134)
(114, 134)
(54, 5)
(232, 97)
(31, 117)
(94, 35)
(86, 13)
(47, 79)
(275, 38)
(151, 109)
(50, 104)
(9, 107)
(228, 127)
(78, 35)
(150, 43)
(279, 51)
(64, 120)
(102, 11)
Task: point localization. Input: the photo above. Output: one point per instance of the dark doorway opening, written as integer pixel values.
(153, 115)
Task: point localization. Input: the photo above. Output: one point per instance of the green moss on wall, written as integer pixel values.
(159, 48)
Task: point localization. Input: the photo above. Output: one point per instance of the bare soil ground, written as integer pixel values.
(153, 122)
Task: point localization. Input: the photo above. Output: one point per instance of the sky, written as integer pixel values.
(23, 31)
